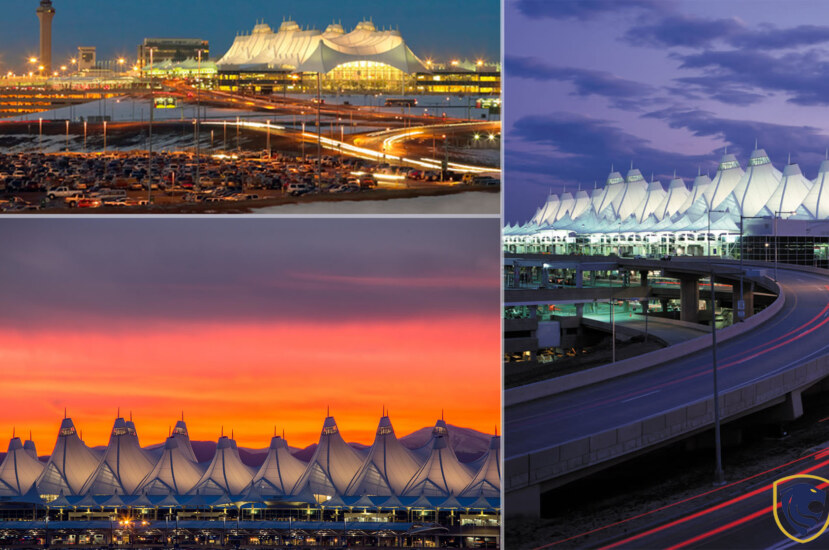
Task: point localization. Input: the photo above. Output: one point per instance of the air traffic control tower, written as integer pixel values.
(45, 12)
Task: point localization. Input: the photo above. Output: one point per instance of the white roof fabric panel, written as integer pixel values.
(226, 474)
(123, 466)
(174, 472)
(487, 482)
(388, 467)
(19, 470)
(817, 200)
(333, 465)
(70, 464)
(757, 184)
(441, 475)
(280, 472)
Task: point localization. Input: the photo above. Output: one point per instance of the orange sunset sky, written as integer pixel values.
(249, 325)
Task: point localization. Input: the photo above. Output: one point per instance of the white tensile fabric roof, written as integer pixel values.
(440, 429)
(757, 184)
(487, 482)
(123, 466)
(388, 467)
(761, 190)
(633, 194)
(295, 49)
(226, 474)
(791, 192)
(441, 475)
(29, 445)
(280, 472)
(173, 473)
(70, 464)
(19, 470)
(653, 199)
(728, 176)
(816, 202)
(333, 465)
(180, 434)
(126, 473)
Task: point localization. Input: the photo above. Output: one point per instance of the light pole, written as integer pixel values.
(67, 136)
(39, 135)
(776, 243)
(719, 477)
(105, 137)
(150, 132)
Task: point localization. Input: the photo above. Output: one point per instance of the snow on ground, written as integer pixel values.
(474, 202)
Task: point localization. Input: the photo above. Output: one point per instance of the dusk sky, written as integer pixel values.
(432, 28)
(249, 324)
(665, 84)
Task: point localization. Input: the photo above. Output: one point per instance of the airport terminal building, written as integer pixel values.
(384, 495)
(780, 214)
(364, 59)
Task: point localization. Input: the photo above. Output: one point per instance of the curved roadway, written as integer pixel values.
(798, 333)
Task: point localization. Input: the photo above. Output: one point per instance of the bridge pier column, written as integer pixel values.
(643, 281)
(545, 277)
(516, 276)
(579, 310)
(664, 303)
(524, 502)
(794, 406)
(689, 299)
(579, 278)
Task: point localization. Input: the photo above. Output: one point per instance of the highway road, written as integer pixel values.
(742, 521)
(798, 333)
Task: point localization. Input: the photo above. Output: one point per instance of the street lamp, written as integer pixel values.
(776, 243)
(719, 478)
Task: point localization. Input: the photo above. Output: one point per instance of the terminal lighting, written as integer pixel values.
(392, 177)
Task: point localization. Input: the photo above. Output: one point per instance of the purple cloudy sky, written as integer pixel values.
(663, 83)
(124, 273)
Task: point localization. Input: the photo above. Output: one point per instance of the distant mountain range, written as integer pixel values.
(467, 443)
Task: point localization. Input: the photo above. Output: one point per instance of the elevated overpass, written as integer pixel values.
(562, 429)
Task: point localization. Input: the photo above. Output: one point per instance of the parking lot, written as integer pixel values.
(33, 181)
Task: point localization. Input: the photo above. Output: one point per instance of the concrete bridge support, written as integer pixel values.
(689, 299)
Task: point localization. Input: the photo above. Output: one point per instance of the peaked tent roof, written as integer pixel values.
(29, 445)
(674, 198)
(19, 470)
(817, 200)
(757, 185)
(174, 472)
(310, 50)
(123, 466)
(440, 429)
(333, 465)
(70, 464)
(280, 471)
(226, 472)
(728, 176)
(183, 438)
(487, 481)
(388, 467)
(791, 192)
(441, 475)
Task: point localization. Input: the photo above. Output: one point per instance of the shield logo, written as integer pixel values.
(800, 506)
